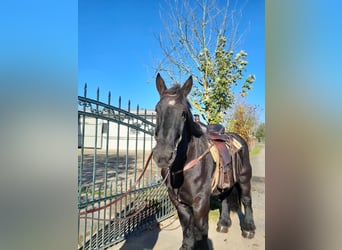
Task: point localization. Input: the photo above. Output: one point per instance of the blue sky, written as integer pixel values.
(117, 47)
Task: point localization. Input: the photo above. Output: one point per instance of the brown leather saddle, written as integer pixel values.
(226, 147)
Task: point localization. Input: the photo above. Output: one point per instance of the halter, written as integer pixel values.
(167, 95)
(193, 162)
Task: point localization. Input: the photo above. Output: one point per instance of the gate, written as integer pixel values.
(113, 146)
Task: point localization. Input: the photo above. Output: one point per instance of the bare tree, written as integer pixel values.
(199, 39)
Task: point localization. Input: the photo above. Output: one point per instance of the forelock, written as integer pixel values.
(174, 89)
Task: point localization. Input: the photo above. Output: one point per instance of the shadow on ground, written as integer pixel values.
(168, 234)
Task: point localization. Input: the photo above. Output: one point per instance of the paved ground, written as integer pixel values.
(258, 163)
(168, 235)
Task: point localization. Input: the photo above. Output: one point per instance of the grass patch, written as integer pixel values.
(214, 212)
(256, 150)
(90, 191)
(214, 215)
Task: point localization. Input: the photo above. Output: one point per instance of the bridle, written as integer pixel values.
(167, 95)
(193, 162)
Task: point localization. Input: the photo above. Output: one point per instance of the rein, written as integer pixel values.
(188, 166)
(193, 162)
(127, 192)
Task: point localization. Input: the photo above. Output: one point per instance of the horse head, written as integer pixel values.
(173, 116)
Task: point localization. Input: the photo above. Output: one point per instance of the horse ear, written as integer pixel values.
(160, 84)
(187, 86)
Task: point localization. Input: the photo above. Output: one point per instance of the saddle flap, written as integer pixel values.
(223, 176)
(223, 151)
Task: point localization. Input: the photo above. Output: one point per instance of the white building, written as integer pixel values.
(117, 129)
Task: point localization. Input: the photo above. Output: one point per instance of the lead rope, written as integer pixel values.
(186, 167)
(125, 194)
(193, 162)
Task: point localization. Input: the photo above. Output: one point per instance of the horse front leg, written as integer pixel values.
(186, 219)
(201, 208)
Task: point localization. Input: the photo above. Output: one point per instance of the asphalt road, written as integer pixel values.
(258, 163)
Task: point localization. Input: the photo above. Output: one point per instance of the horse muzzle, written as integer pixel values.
(163, 157)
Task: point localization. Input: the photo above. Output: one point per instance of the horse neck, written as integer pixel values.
(182, 150)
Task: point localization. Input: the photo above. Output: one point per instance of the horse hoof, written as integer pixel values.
(222, 229)
(248, 234)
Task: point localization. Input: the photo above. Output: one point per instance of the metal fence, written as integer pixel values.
(113, 147)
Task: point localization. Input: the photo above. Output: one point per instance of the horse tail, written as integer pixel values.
(233, 198)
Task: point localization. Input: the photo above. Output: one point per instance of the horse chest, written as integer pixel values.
(183, 191)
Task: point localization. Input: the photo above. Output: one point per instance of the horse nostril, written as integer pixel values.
(163, 157)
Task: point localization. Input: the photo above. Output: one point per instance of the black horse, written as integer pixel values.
(179, 142)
